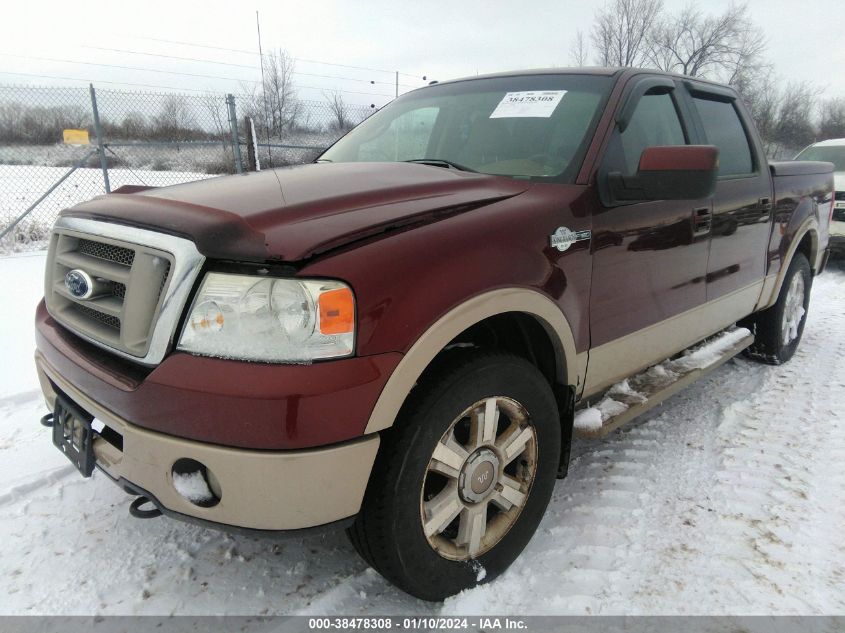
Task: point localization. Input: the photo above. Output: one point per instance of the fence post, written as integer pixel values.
(253, 164)
(98, 130)
(233, 124)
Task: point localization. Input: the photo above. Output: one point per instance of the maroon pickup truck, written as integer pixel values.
(397, 338)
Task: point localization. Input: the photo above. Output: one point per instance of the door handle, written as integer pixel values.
(702, 221)
(765, 205)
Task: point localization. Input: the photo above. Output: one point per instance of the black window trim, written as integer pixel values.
(723, 95)
(634, 91)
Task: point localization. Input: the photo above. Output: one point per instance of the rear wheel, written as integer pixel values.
(463, 477)
(777, 330)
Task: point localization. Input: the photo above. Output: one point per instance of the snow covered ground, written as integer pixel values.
(729, 499)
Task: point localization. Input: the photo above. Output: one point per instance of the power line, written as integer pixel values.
(162, 55)
(240, 50)
(177, 88)
(175, 72)
(102, 81)
(378, 70)
(251, 67)
(121, 67)
(218, 48)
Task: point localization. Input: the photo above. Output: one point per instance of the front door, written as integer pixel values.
(649, 258)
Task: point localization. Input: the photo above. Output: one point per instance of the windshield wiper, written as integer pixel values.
(440, 162)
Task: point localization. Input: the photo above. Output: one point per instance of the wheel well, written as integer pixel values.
(807, 246)
(523, 335)
(513, 332)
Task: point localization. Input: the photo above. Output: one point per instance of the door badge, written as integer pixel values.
(563, 238)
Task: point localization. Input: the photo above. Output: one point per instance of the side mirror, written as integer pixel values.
(670, 172)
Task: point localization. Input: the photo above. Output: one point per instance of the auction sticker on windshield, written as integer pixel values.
(534, 103)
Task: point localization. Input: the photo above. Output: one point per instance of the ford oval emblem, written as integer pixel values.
(79, 284)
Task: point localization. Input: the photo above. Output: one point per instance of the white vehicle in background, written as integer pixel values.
(832, 151)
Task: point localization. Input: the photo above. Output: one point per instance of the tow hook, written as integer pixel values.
(136, 511)
(47, 420)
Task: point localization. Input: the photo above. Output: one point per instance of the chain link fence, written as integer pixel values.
(141, 138)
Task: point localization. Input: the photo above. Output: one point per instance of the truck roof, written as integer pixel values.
(579, 70)
(831, 142)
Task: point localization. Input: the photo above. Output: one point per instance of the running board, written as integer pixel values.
(634, 396)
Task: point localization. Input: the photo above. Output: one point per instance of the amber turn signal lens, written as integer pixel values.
(337, 311)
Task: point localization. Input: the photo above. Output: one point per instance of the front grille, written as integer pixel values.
(109, 252)
(107, 320)
(128, 283)
(839, 214)
(118, 290)
(840, 195)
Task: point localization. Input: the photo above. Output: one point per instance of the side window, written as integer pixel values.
(407, 137)
(724, 129)
(654, 122)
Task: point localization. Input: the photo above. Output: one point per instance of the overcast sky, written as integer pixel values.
(437, 39)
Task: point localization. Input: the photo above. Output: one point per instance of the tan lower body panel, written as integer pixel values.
(616, 360)
(658, 396)
(264, 490)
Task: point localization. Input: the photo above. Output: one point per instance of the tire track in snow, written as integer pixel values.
(782, 480)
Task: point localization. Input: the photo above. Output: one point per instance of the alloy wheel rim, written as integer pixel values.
(478, 478)
(793, 311)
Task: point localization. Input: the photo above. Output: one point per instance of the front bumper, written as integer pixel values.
(259, 490)
(227, 402)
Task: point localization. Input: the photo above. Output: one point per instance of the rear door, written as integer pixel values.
(649, 258)
(742, 204)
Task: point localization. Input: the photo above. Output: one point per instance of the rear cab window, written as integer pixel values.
(724, 129)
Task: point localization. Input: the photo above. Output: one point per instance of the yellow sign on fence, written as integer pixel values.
(75, 137)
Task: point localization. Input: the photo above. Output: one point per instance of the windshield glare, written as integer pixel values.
(533, 126)
(829, 153)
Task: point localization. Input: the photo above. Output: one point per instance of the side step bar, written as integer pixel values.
(634, 396)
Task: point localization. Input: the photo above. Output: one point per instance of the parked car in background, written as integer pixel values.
(832, 151)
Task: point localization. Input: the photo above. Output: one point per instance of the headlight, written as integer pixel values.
(268, 319)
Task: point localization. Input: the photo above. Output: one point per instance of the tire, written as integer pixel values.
(411, 493)
(778, 329)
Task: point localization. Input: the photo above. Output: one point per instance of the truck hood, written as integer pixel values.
(297, 212)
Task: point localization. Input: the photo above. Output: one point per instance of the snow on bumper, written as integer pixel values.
(264, 490)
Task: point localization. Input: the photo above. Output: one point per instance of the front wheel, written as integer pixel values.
(463, 477)
(777, 330)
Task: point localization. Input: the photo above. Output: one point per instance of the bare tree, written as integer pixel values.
(783, 114)
(339, 110)
(758, 89)
(282, 104)
(832, 119)
(794, 128)
(175, 120)
(218, 112)
(699, 45)
(621, 31)
(578, 52)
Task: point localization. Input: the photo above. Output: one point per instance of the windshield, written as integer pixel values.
(830, 153)
(535, 126)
